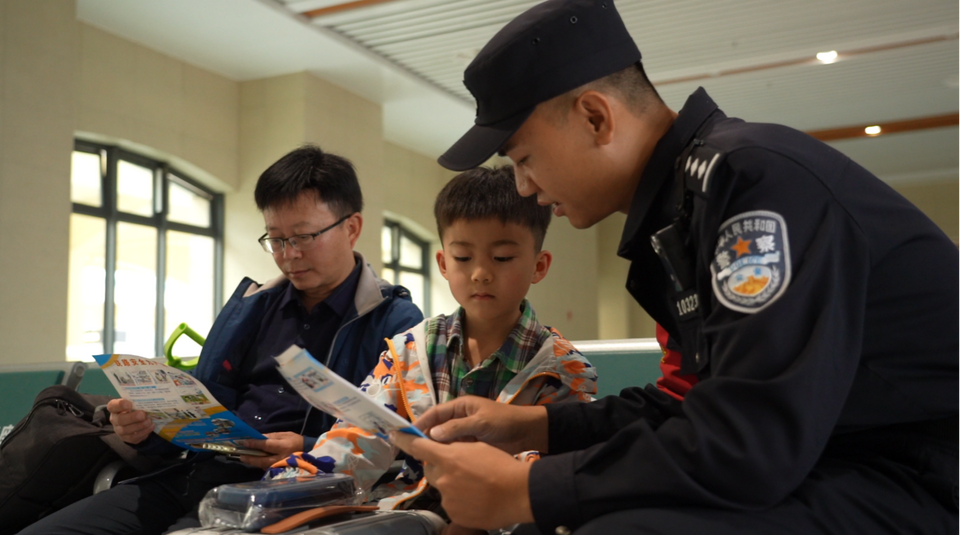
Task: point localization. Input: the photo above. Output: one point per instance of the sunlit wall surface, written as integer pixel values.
(88, 238)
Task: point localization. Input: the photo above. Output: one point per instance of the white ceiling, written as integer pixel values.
(898, 59)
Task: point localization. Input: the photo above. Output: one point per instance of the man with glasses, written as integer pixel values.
(327, 300)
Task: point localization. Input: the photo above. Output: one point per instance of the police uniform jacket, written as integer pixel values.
(821, 316)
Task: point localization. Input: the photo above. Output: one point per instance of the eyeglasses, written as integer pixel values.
(300, 242)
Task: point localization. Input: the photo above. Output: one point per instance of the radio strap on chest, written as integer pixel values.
(674, 246)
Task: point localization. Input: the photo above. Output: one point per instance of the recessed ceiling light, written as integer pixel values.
(827, 57)
(872, 130)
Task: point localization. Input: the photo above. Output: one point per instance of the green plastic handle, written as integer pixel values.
(177, 362)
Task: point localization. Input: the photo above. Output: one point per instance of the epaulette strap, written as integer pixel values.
(698, 167)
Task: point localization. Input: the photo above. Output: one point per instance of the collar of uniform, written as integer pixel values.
(660, 168)
(338, 301)
(517, 350)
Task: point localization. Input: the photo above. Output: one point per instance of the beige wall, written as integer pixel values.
(156, 104)
(567, 298)
(619, 315)
(39, 43)
(938, 199)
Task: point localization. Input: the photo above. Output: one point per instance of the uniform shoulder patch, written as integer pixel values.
(751, 262)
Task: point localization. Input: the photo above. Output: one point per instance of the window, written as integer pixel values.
(406, 262)
(159, 236)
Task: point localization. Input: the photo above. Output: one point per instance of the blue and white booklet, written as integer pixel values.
(333, 394)
(182, 409)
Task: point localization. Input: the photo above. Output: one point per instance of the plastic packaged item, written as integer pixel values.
(251, 506)
(385, 523)
(375, 523)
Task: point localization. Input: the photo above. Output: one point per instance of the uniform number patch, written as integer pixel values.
(751, 263)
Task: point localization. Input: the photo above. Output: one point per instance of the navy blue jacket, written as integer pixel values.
(821, 318)
(379, 311)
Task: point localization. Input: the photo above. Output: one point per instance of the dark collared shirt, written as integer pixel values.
(266, 401)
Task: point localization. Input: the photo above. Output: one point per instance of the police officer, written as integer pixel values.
(816, 306)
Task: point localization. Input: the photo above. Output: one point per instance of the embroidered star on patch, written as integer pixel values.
(751, 262)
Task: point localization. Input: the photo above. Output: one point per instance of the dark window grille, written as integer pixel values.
(144, 214)
(406, 261)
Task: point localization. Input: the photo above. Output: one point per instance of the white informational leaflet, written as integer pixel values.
(182, 409)
(333, 394)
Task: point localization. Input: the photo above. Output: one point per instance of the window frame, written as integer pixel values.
(163, 174)
(398, 230)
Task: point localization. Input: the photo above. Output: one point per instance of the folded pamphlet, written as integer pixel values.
(182, 409)
(333, 394)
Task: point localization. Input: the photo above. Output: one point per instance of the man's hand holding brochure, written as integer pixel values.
(329, 392)
(182, 410)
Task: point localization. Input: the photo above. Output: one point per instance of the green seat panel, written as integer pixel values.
(617, 371)
(95, 382)
(20, 384)
(622, 363)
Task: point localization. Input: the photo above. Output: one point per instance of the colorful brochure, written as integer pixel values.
(183, 410)
(333, 394)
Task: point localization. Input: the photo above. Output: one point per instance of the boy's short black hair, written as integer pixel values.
(483, 193)
(308, 168)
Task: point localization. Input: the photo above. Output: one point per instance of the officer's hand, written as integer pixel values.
(133, 427)
(470, 418)
(280, 445)
(481, 486)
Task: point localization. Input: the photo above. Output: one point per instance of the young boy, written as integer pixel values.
(492, 346)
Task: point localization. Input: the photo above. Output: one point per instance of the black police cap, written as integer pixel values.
(550, 49)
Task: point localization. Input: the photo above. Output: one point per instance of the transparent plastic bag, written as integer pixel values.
(385, 523)
(251, 506)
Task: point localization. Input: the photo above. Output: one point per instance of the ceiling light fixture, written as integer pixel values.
(872, 130)
(827, 57)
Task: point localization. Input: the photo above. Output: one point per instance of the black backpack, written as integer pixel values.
(52, 457)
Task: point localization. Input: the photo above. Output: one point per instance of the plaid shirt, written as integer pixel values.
(452, 374)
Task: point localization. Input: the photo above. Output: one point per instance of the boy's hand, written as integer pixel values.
(480, 486)
(133, 427)
(281, 445)
(511, 428)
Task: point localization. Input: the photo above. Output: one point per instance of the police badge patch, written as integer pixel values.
(751, 264)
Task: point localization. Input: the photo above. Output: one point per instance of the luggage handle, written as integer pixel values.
(101, 416)
(316, 513)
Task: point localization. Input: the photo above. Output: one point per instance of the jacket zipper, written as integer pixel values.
(333, 344)
(396, 367)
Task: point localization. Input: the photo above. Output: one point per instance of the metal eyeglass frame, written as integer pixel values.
(265, 242)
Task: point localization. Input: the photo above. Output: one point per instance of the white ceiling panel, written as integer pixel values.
(898, 58)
